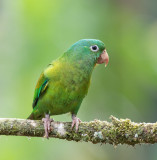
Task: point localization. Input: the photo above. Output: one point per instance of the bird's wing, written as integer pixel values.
(40, 88)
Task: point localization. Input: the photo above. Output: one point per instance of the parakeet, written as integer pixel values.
(65, 82)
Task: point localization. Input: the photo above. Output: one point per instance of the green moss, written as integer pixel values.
(117, 132)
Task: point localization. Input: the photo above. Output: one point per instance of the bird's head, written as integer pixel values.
(89, 49)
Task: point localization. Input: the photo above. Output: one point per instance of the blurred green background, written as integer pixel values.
(34, 32)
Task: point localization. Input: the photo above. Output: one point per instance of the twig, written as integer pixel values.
(116, 132)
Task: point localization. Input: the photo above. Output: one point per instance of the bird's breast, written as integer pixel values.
(66, 90)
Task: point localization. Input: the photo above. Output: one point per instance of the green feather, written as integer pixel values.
(65, 82)
(40, 88)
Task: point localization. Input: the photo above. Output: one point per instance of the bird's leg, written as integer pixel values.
(47, 125)
(75, 122)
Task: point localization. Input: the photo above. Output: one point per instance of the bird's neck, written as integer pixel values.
(85, 64)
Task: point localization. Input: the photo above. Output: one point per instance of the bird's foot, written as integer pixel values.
(75, 122)
(47, 125)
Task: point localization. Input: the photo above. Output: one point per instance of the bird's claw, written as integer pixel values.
(47, 125)
(75, 122)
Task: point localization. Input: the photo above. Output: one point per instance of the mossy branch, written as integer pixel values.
(118, 131)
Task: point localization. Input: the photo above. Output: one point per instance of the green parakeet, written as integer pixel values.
(65, 82)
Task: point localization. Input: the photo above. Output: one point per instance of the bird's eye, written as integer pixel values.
(94, 48)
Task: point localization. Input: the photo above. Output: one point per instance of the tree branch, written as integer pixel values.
(116, 132)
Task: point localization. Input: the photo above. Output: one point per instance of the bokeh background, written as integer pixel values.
(34, 32)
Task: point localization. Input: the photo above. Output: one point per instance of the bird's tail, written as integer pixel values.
(31, 116)
(35, 115)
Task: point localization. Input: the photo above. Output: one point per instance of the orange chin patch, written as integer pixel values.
(95, 65)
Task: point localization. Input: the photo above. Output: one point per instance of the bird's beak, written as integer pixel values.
(103, 58)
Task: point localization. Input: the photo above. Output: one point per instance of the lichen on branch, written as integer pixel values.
(118, 131)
